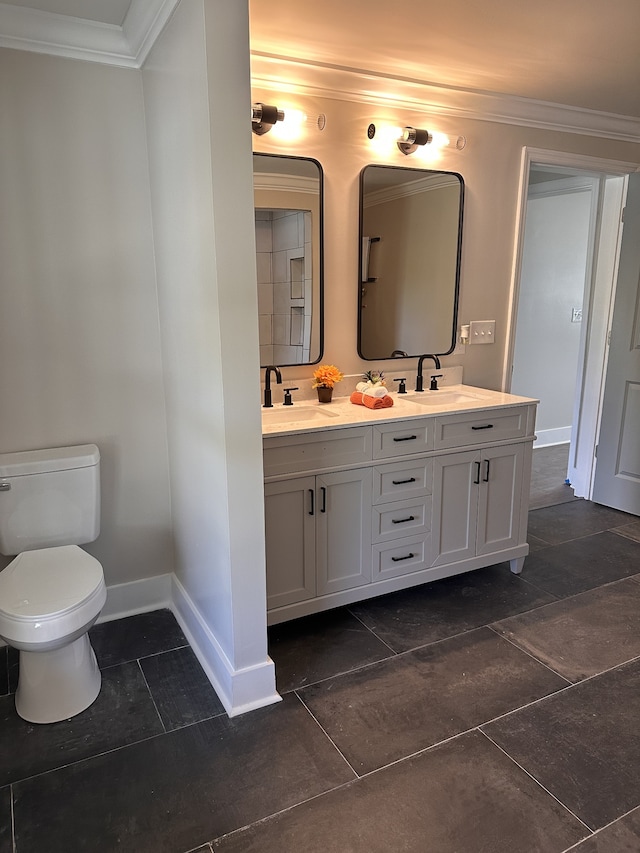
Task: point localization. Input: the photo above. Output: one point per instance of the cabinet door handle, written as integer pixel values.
(312, 500)
(477, 479)
(323, 507)
(398, 559)
(403, 520)
(484, 426)
(485, 479)
(406, 438)
(402, 482)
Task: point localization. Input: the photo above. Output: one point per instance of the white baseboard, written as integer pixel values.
(548, 437)
(238, 690)
(141, 596)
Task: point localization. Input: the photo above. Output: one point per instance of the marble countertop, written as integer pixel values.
(310, 416)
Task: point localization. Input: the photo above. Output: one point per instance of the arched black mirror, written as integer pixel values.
(289, 258)
(410, 247)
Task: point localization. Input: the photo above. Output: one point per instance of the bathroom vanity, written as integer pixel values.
(361, 502)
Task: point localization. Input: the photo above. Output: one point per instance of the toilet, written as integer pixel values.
(53, 591)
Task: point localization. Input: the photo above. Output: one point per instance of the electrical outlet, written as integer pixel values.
(482, 331)
(576, 315)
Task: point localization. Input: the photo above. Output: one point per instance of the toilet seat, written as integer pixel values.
(49, 593)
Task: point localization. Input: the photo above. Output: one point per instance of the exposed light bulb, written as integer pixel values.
(291, 127)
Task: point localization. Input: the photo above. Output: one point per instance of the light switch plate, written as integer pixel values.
(482, 331)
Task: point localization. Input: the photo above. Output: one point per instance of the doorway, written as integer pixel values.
(564, 282)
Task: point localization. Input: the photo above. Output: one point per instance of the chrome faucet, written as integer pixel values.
(267, 384)
(420, 361)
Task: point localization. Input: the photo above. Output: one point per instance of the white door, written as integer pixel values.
(617, 477)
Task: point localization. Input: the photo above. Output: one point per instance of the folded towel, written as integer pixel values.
(377, 402)
(375, 391)
(359, 399)
(362, 386)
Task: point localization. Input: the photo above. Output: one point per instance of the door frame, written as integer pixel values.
(589, 418)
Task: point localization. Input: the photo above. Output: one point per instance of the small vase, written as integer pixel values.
(324, 394)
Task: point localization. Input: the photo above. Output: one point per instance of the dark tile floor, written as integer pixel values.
(549, 476)
(485, 712)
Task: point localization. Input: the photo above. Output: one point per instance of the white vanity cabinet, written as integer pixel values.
(481, 496)
(318, 527)
(357, 511)
(477, 498)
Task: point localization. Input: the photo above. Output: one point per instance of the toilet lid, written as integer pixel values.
(48, 582)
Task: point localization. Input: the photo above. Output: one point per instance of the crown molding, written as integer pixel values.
(322, 80)
(22, 28)
(279, 182)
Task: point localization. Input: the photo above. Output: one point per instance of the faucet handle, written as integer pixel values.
(402, 388)
(434, 381)
(287, 396)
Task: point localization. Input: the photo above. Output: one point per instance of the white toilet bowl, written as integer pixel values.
(49, 598)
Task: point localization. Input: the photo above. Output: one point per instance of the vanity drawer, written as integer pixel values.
(401, 480)
(400, 557)
(401, 439)
(294, 453)
(481, 427)
(401, 519)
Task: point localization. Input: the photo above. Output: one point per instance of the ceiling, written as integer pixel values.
(581, 53)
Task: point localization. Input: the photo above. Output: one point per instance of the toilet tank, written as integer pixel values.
(49, 498)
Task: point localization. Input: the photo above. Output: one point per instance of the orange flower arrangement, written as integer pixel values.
(326, 376)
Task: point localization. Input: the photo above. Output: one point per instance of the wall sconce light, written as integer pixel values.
(263, 118)
(410, 139)
(287, 124)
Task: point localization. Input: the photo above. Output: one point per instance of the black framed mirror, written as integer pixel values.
(288, 202)
(409, 271)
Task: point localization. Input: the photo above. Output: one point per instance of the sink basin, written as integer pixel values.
(295, 414)
(442, 398)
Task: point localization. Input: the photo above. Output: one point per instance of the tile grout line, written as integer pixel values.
(576, 538)
(602, 828)
(13, 820)
(89, 758)
(371, 631)
(151, 696)
(530, 655)
(142, 657)
(326, 734)
(538, 783)
(287, 809)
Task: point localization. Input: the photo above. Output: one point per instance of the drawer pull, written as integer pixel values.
(402, 482)
(398, 559)
(485, 426)
(403, 520)
(406, 438)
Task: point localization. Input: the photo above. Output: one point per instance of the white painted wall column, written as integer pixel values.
(197, 99)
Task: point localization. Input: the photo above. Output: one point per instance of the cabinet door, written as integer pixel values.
(290, 541)
(455, 506)
(500, 496)
(343, 530)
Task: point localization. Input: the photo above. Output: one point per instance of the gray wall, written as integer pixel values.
(79, 336)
